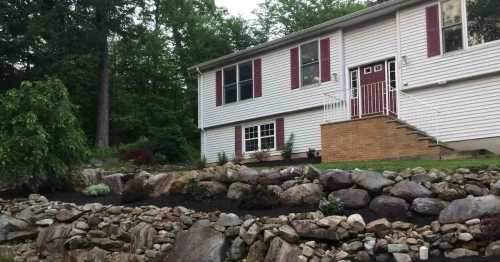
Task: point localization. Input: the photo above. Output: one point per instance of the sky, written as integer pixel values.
(239, 7)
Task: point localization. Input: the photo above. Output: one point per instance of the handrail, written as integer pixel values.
(341, 104)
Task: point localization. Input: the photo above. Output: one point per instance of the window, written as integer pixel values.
(392, 75)
(354, 83)
(309, 63)
(238, 82)
(260, 137)
(483, 21)
(451, 19)
(245, 81)
(230, 90)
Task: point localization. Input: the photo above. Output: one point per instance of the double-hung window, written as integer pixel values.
(238, 82)
(309, 63)
(467, 23)
(259, 138)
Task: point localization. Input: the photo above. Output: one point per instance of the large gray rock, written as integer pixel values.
(460, 252)
(276, 177)
(160, 183)
(302, 194)
(370, 180)
(51, 240)
(495, 188)
(213, 188)
(200, 243)
(389, 206)
(142, 235)
(281, 251)
(114, 182)
(462, 210)
(257, 252)
(410, 190)
(428, 206)
(336, 179)
(136, 189)
(247, 175)
(447, 191)
(309, 229)
(493, 249)
(352, 198)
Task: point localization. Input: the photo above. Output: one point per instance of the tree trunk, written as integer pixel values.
(102, 135)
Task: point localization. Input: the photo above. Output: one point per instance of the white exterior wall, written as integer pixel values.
(371, 42)
(468, 109)
(422, 70)
(277, 95)
(305, 126)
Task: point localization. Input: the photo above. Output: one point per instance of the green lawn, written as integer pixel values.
(398, 165)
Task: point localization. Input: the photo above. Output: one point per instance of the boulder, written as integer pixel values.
(247, 175)
(50, 240)
(310, 172)
(356, 222)
(336, 180)
(410, 190)
(257, 252)
(389, 206)
(460, 252)
(136, 189)
(352, 198)
(380, 227)
(200, 243)
(68, 215)
(142, 236)
(276, 177)
(213, 188)
(237, 249)
(493, 249)
(288, 233)
(447, 191)
(370, 180)
(302, 194)
(182, 180)
(238, 190)
(260, 197)
(160, 184)
(9, 225)
(309, 229)
(228, 220)
(462, 210)
(114, 182)
(476, 190)
(281, 251)
(495, 188)
(428, 206)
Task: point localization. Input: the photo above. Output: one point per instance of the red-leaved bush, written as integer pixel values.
(139, 156)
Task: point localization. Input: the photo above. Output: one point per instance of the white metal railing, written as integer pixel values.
(378, 98)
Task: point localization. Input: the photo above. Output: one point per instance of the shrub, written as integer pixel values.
(201, 163)
(196, 191)
(221, 158)
(97, 190)
(40, 139)
(170, 142)
(311, 154)
(260, 156)
(287, 151)
(331, 207)
(140, 156)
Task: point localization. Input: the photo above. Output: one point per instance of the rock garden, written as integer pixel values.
(237, 213)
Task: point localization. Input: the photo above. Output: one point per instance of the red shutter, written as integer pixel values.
(294, 67)
(237, 141)
(280, 133)
(432, 21)
(257, 77)
(325, 59)
(218, 88)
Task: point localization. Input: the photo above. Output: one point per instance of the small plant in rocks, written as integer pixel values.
(196, 191)
(331, 207)
(221, 158)
(287, 150)
(97, 190)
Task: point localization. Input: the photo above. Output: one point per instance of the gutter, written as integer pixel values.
(328, 26)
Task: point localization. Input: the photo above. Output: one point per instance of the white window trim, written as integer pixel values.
(367, 72)
(259, 137)
(465, 32)
(317, 40)
(238, 98)
(378, 68)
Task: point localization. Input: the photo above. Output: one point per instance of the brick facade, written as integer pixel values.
(371, 139)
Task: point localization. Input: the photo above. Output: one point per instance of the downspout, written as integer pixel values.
(203, 146)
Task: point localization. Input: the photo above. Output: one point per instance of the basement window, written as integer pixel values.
(260, 138)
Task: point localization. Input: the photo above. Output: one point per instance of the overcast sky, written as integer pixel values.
(239, 7)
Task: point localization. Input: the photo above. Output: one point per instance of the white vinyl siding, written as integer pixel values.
(305, 126)
(371, 42)
(277, 95)
(469, 109)
(421, 70)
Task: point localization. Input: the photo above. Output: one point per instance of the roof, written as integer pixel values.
(349, 20)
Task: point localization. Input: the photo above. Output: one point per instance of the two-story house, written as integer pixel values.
(406, 78)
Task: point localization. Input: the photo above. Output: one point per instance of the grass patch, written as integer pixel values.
(398, 165)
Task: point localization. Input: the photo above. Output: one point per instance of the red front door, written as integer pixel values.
(372, 89)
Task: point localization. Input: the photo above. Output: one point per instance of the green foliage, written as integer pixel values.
(221, 158)
(201, 163)
(194, 190)
(40, 139)
(97, 190)
(171, 144)
(332, 207)
(287, 150)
